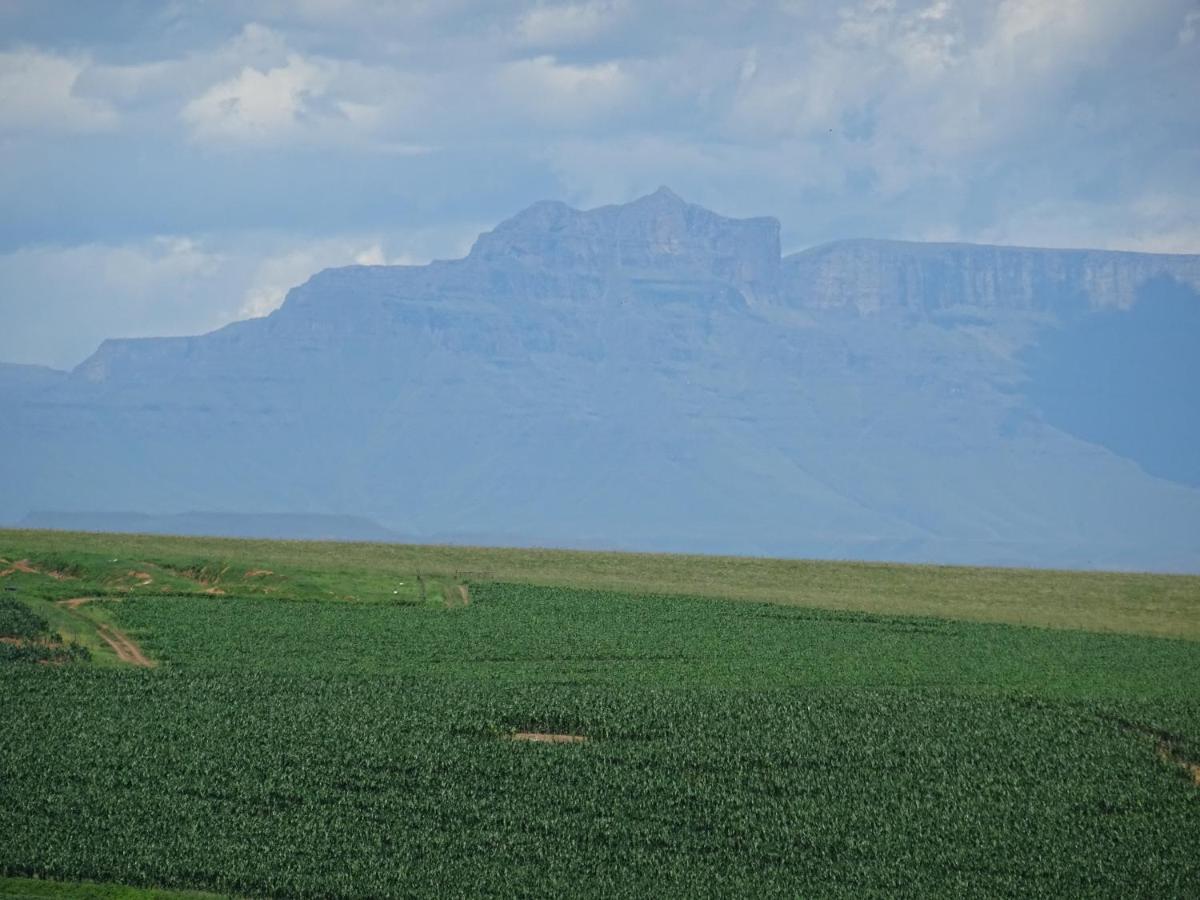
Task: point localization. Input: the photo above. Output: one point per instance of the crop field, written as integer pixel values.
(291, 720)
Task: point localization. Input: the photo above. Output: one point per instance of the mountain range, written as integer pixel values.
(654, 376)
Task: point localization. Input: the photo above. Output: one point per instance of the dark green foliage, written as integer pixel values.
(332, 749)
(520, 633)
(28, 651)
(301, 785)
(18, 621)
(37, 888)
(29, 639)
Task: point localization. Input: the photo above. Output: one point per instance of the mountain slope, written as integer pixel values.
(655, 376)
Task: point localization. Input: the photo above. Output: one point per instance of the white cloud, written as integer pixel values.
(137, 270)
(257, 106)
(550, 91)
(275, 275)
(1152, 222)
(267, 93)
(37, 94)
(163, 85)
(256, 44)
(749, 67)
(145, 269)
(59, 303)
(359, 14)
(1017, 120)
(916, 91)
(573, 23)
(65, 300)
(1190, 27)
(124, 85)
(615, 169)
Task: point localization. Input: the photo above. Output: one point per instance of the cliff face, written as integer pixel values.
(658, 238)
(875, 276)
(654, 376)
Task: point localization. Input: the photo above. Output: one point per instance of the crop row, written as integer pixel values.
(520, 634)
(297, 785)
(335, 749)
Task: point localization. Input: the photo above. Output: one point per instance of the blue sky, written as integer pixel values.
(169, 167)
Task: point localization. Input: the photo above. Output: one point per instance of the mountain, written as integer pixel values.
(207, 524)
(18, 380)
(656, 376)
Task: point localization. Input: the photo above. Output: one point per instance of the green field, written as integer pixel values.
(333, 720)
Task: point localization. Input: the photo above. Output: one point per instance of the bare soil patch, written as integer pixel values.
(258, 573)
(123, 645)
(545, 737)
(1168, 754)
(456, 596)
(215, 591)
(21, 565)
(201, 578)
(1165, 746)
(28, 568)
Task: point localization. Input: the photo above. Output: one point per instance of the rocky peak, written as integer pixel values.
(658, 236)
(663, 198)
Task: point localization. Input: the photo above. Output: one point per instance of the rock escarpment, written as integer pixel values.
(874, 276)
(655, 376)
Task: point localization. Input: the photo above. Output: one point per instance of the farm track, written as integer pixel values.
(124, 646)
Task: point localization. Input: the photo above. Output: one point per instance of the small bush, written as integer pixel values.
(18, 621)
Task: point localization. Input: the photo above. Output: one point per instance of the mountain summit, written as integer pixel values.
(656, 376)
(657, 238)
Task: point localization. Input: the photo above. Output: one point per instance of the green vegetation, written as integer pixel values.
(26, 637)
(296, 742)
(36, 888)
(18, 621)
(1163, 605)
(525, 634)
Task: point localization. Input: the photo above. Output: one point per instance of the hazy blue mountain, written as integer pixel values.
(655, 376)
(288, 526)
(18, 380)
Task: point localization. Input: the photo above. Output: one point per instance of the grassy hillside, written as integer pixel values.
(302, 724)
(1134, 603)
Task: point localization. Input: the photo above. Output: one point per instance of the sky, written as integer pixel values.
(168, 167)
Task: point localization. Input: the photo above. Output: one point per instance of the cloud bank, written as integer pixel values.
(310, 132)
